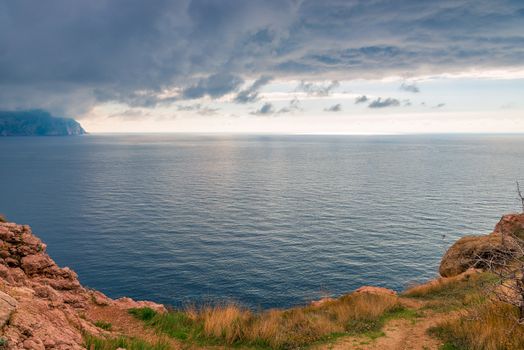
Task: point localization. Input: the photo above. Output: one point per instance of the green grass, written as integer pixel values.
(104, 325)
(179, 325)
(96, 343)
(455, 294)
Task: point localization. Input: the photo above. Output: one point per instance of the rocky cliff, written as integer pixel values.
(468, 251)
(43, 306)
(37, 123)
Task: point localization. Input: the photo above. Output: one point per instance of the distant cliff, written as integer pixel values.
(37, 123)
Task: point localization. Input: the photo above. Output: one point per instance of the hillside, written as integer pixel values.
(43, 306)
(37, 123)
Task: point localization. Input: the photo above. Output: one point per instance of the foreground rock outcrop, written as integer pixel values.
(470, 251)
(44, 306)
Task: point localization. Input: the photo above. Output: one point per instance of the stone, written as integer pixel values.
(375, 290)
(7, 306)
(36, 263)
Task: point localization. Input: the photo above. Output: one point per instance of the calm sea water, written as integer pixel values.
(262, 220)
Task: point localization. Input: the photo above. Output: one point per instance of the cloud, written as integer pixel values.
(383, 103)
(70, 55)
(440, 105)
(266, 109)
(409, 87)
(198, 108)
(293, 106)
(216, 85)
(361, 99)
(334, 108)
(250, 94)
(316, 89)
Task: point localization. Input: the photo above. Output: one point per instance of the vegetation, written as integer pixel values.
(232, 325)
(104, 325)
(453, 293)
(96, 343)
(2, 219)
(491, 326)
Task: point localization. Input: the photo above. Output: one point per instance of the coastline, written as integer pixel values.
(44, 306)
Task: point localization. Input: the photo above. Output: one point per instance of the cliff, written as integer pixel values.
(37, 123)
(43, 306)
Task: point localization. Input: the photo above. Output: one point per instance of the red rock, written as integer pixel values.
(375, 290)
(36, 263)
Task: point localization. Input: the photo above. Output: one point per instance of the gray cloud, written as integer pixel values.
(216, 85)
(198, 108)
(266, 109)
(250, 94)
(361, 99)
(68, 55)
(382, 103)
(410, 87)
(293, 106)
(440, 105)
(334, 108)
(317, 89)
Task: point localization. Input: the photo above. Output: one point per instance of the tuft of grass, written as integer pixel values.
(96, 343)
(104, 325)
(2, 219)
(233, 325)
(144, 313)
(491, 326)
(447, 294)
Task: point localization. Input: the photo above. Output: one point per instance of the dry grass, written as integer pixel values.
(279, 329)
(491, 326)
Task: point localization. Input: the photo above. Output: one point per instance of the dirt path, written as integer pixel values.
(399, 334)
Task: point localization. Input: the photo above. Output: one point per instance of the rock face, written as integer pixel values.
(465, 253)
(43, 306)
(37, 123)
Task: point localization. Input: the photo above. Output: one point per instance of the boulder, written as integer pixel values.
(375, 290)
(470, 251)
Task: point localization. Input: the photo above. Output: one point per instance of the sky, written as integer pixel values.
(282, 66)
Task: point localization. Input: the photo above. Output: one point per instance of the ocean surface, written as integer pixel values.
(267, 221)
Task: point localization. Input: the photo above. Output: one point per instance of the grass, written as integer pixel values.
(448, 294)
(96, 343)
(2, 219)
(491, 326)
(104, 325)
(232, 325)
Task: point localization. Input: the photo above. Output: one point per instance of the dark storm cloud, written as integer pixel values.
(382, 103)
(334, 108)
(216, 85)
(72, 54)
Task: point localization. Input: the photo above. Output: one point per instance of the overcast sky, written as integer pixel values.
(356, 67)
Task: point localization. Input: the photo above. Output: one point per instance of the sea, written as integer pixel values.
(261, 220)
